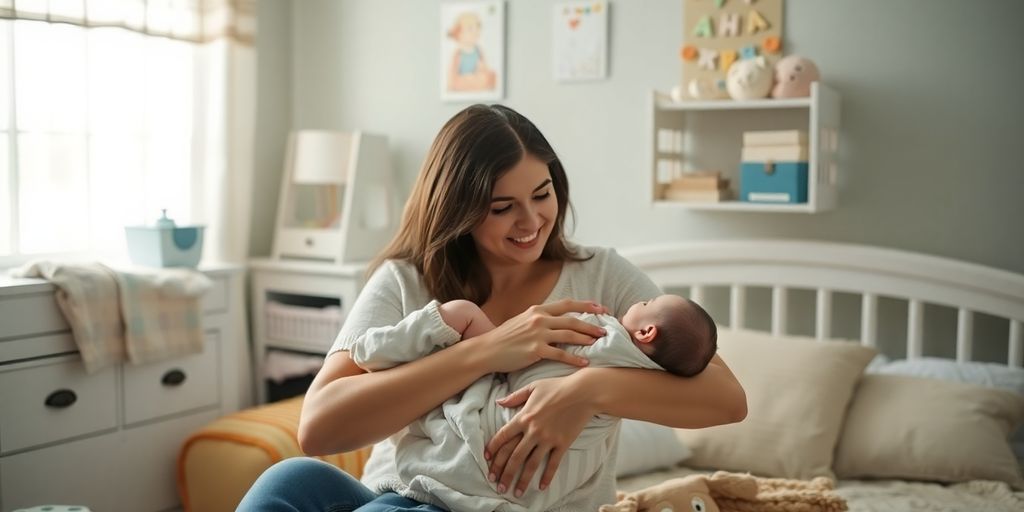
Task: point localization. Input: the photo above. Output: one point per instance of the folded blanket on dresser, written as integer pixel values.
(117, 314)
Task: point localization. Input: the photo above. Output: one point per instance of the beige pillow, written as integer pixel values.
(797, 392)
(927, 429)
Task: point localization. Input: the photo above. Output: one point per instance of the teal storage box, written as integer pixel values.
(165, 245)
(773, 182)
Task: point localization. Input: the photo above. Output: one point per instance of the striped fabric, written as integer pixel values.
(272, 429)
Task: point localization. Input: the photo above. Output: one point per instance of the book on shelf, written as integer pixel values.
(699, 182)
(698, 196)
(775, 138)
(789, 153)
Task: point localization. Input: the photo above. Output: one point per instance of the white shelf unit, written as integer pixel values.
(311, 285)
(708, 135)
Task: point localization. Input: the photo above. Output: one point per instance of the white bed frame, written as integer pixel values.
(826, 268)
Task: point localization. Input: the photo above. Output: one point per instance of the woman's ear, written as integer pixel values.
(646, 334)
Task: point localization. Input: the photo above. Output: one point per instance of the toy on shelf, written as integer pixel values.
(698, 186)
(749, 79)
(773, 167)
(707, 89)
(793, 77)
(718, 36)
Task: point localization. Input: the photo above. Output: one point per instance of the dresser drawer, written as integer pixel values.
(169, 387)
(79, 404)
(215, 300)
(29, 314)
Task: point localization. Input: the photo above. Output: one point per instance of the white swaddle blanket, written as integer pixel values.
(442, 462)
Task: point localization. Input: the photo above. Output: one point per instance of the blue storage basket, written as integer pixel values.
(165, 245)
(773, 182)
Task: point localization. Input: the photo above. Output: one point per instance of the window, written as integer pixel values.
(96, 132)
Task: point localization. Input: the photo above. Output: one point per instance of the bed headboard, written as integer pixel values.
(827, 268)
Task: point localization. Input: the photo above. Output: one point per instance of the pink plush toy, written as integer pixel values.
(793, 77)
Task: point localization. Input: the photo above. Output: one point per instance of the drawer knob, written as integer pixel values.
(173, 378)
(61, 398)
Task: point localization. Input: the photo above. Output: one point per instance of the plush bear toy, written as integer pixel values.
(749, 79)
(732, 492)
(793, 77)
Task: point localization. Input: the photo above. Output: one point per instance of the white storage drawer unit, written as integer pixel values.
(53, 402)
(169, 387)
(107, 440)
(298, 306)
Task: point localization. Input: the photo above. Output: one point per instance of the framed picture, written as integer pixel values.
(580, 40)
(473, 50)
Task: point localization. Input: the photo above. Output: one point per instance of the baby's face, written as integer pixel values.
(649, 312)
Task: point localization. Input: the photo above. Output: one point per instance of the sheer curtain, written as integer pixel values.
(111, 110)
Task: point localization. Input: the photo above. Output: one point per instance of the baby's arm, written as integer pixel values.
(465, 317)
(419, 334)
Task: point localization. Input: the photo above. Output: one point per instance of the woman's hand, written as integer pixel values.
(527, 337)
(555, 413)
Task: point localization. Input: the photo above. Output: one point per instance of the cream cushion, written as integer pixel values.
(644, 447)
(797, 392)
(927, 429)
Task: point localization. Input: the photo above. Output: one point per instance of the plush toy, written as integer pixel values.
(732, 492)
(706, 89)
(793, 77)
(749, 79)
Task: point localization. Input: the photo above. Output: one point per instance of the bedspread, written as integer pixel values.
(891, 495)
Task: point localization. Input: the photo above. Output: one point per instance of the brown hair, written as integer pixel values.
(452, 196)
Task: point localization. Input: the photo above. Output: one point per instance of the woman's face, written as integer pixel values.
(521, 217)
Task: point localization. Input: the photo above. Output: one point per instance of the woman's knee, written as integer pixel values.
(305, 469)
(303, 483)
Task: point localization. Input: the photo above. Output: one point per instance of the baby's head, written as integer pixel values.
(674, 332)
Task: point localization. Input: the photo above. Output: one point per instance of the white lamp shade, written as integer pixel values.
(321, 157)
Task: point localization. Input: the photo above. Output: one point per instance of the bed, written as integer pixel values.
(898, 374)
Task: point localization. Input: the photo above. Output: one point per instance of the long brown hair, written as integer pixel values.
(452, 196)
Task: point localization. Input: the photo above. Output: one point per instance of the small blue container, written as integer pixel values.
(774, 182)
(165, 244)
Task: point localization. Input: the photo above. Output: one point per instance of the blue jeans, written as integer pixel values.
(303, 484)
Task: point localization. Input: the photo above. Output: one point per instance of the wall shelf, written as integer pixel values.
(708, 135)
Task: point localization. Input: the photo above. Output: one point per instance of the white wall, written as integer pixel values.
(933, 113)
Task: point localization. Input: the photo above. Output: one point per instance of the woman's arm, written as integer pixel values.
(556, 410)
(713, 397)
(345, 408)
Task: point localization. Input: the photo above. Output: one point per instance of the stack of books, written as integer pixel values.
(775, 146)
(774, 167)
(698, 186)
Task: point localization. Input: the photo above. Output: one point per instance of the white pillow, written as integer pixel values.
(644, 447)
(989, 375)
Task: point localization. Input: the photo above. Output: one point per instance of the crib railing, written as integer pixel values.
(828, 268)
(868, 320)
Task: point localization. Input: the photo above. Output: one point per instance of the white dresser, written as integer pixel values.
(108, 440)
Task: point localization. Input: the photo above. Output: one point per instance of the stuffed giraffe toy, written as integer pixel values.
(732, 492)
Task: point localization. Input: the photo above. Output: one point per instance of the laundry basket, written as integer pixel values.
(310, 325)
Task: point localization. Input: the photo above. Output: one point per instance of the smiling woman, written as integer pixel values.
(484, 223)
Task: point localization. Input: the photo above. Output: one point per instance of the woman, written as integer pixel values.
(485, 223)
